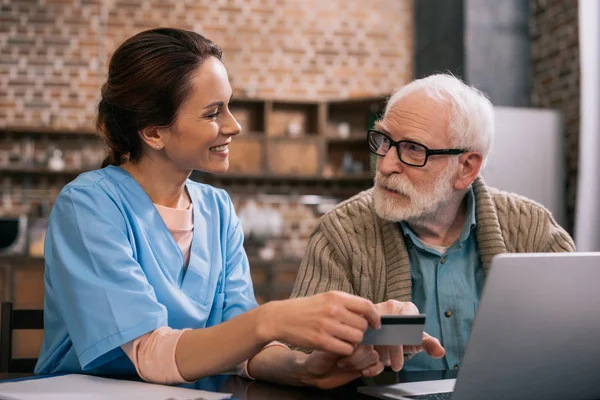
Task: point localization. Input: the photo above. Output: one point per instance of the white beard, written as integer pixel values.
(424, 204)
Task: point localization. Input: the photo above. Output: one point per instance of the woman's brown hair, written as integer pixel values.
(148, 79)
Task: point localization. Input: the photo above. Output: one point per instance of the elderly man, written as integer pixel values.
(425, 234)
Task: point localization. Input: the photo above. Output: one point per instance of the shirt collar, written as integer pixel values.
(470, 223)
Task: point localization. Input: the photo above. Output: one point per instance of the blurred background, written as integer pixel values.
(309, 78)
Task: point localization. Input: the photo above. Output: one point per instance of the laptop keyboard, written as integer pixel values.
(433, 396)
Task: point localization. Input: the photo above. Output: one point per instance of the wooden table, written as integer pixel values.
(244, 389)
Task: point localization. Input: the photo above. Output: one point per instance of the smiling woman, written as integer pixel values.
(198, 138)
(145, 269)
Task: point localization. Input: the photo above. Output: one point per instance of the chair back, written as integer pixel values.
(11, 320)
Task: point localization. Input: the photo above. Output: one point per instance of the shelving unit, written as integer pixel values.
(250, 114)
(340, 186)
(282, 141)
(25, 153)
(357, 138)
(67, 173)
(305, 140)
(285, 148)
(47, 131)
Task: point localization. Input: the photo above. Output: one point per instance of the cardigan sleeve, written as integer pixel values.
(558, 240)
(322, 268)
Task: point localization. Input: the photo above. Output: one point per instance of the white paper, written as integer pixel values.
(399, 390)
(87, 387)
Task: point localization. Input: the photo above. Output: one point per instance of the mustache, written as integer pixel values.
(394, 182)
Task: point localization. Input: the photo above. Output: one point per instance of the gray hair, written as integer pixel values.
(471, 116)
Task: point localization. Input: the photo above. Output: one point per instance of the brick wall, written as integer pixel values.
(555, 68)
(53, 53)
(53, 59)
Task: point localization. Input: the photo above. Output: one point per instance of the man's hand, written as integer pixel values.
(325, 371)
(394, 355)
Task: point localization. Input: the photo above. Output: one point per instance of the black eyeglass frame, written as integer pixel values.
(428, 152)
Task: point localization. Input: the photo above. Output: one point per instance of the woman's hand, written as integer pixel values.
(333, 322)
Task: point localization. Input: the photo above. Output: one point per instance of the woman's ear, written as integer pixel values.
(470, 165)
(153, 137)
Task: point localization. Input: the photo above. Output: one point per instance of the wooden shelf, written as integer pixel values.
(364, 176)
(353, 139)
(242, 101)
(40, 171)
(246, 135)
(292, 164)
(341, 186)
(20, 259)
(206, 178)
(211, 178)
(306, 116)
(44, 131)
(377, 99)
(303, 138)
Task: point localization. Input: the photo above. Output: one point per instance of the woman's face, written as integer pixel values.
(199, 137)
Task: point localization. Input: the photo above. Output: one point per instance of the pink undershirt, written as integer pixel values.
(180, 223)
(153, 354)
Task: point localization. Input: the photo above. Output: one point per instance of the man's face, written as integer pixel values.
(412, 194)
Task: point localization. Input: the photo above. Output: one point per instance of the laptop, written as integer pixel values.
(536, 335)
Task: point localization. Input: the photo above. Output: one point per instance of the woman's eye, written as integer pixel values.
(213, 116)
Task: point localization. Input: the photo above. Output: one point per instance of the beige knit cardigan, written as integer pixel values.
(355, 251)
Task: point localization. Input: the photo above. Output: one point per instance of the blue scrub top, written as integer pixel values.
(114, 271)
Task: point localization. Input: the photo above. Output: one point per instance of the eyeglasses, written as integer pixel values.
(409, 152)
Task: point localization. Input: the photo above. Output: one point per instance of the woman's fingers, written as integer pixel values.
(356, 321)
(343, 332)
(361, 306)
(331, 344)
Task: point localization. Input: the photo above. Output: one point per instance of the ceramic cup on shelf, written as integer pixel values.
(344, 130)
(294, 128)
(56, 161)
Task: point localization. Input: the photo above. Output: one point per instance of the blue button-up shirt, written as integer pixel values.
(447, 288)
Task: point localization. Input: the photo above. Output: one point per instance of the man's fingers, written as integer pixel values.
(384, 354)
(374, 369)
(395, 307)
(396, 358)
(326, 356)
(432, 346)
(363, 357)
(359, 354)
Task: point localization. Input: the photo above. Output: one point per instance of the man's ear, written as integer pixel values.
(153, 137)
(469, 167)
